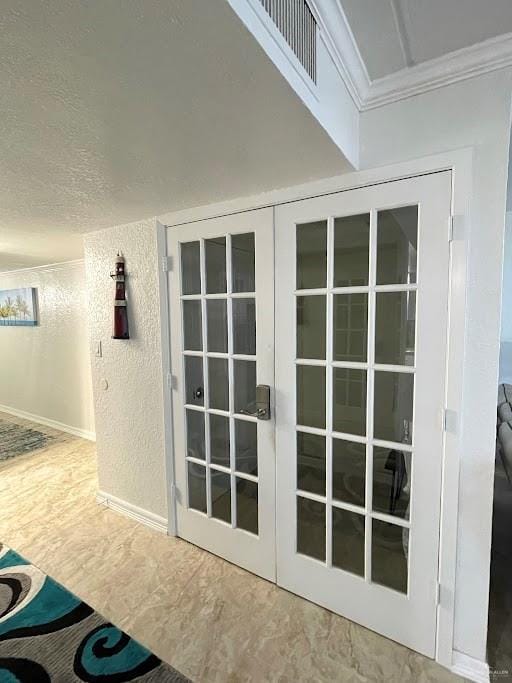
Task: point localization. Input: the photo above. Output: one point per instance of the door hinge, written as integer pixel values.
(167, 264)
(449, 421)
(438, 593)
(172, 381)
(455, 228)
(174, 494)
(450, 228)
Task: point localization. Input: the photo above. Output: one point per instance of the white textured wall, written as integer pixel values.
(45, 369)
(474, 113)
(129, 414)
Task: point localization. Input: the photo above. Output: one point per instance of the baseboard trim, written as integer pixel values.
(60, 426)
(151, 520)
(469, 667)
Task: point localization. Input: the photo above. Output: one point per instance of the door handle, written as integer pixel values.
(262, 411)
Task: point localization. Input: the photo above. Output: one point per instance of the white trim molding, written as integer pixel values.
(54, 424)
(338, 38)
(140, 515)
(45, 267)
(475, 60)
(165, 340)
(470, 668)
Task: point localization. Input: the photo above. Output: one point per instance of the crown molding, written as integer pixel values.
(337, 35)
(476, 60)
(58, 265)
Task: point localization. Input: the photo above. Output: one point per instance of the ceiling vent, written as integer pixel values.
(297, 24)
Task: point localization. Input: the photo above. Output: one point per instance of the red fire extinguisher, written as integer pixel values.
(120, 310)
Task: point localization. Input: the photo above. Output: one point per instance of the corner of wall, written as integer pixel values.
(127, 379)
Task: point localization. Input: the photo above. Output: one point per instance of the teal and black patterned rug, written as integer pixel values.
(16, 439)
(48, 635)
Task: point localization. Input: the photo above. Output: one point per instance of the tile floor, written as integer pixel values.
(208, 618)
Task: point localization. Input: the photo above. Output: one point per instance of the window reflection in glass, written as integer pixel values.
(397, 243)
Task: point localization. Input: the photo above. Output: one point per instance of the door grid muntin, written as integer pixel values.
(237, 477)
(370, 367)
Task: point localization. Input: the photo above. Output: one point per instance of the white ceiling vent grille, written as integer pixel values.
(297, 24)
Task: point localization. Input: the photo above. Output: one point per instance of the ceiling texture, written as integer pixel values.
(116, 111)
(396, 34)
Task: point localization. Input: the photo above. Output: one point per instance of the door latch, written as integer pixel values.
(262, 411)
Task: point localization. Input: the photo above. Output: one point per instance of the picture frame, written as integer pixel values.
(18, 307)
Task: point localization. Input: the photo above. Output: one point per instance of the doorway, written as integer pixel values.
(334, 490)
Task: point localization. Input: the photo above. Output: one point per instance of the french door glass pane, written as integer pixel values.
(311, 528)
(192, 332)
(218, 383)
(340, 345)
(391, 481)
(245, 385)
(395, 328)
(216, 314)
(349, 401)
(244, 326)
(397, 242)
(350, 327)
(196, 486)
(311, 327)
(215, 254)
(312, 255)
(242, 249)
(348, 471)
(226, 314)
(393, 406)
(194, 392)
(221, 495)
(247, 505)
(311, 396)
(311, 463)
(348, 541)
(351, 250)
(390, 547)
(190, 268)
(219, 440)
(195, 434)
(246, 446)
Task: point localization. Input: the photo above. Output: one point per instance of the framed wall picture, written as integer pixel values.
(18, 307)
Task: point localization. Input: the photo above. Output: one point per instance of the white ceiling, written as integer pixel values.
(115, 111)
(394, 34)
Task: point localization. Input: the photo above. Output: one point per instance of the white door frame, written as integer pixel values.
(460, 163)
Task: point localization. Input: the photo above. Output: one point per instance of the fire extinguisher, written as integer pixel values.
(120, 310)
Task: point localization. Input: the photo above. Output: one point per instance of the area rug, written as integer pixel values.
(16, 439)
(48, 635)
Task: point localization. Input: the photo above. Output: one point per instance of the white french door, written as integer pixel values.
(222, 337)
(362, 299)
(348, 467)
